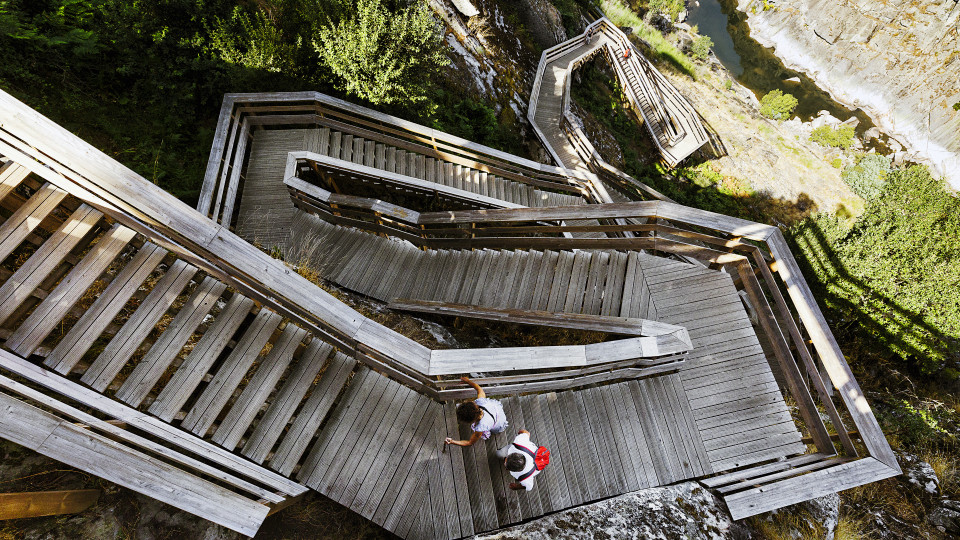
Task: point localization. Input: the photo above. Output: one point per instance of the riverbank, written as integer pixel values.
(897, 62)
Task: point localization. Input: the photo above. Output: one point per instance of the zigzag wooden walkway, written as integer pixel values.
(593, 283)
(673, 124)
(144, 343)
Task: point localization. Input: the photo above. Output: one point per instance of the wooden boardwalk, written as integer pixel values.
(138, 333)
(726, 363)
(674, 125)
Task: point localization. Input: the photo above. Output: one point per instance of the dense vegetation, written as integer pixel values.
(892, 272)
(837, 137)
(143, 80)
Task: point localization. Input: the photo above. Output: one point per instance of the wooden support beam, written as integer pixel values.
(46, 503)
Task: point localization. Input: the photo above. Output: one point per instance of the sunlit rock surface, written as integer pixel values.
(898, 61)
(681, 511)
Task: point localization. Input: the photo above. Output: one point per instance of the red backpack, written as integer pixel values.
(541, 458)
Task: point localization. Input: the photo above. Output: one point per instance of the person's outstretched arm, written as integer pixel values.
(480, 392)
(473, 440)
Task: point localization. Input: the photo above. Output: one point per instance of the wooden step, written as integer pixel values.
(28, 217)
(311, 415)
(166, 348)
(283, 406)
(185, 380)
(104, 309)
(28, 336)
(48, 257)
(258, 390)
(133, 333)
(231, 373)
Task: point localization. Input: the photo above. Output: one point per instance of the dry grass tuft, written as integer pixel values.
(851, 528)
(886, 496)
(786, 523)
(947, 468)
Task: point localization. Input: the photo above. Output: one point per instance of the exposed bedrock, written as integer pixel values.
(898, 61)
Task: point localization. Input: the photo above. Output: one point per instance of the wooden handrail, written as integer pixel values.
(738, 243)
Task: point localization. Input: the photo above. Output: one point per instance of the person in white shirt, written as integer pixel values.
(484, 415)
(518, 457)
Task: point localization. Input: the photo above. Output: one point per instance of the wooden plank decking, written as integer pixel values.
(223, 388)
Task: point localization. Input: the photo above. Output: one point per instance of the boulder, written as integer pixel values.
(946, 518)
(682, 511)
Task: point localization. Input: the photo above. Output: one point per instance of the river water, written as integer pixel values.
(757, 67)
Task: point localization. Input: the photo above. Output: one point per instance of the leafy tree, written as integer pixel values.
(700, 48)
(839, 137)
(777, 105)
(383, 57)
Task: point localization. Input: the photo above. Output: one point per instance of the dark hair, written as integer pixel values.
(468, 413)
(516, 462)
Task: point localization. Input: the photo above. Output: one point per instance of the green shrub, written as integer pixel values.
(837, 163)
(840, 137)
(727, 84)
(868, 176)
(777, 105)
(892, 276)
(383, 57)
(701, 47)
(956, 106)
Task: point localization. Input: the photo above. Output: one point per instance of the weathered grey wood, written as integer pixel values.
(28, 217)
(274, 420)
(382, 431)
(368, 407)
(612, 423)
(38, 325)
(572, 298)
(231, 372)
(149, 424)
(261, 385)
(561, 282)
(166, 348)
(636, 441)
(314, 410)
(595, 426)
(381, 472)
(11, 174)
(108, 304)
(585, 463)
(132, 334)
(340, 481)
(792, 490)
(753, 472)
(126, 436)
(135, 470)
(455, 481)
(42, 262)
(541, 289)
(188, 376)
(409, 472)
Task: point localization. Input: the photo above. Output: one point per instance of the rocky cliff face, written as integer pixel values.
(899, 61)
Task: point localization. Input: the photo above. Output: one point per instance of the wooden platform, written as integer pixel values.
(726, 363)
